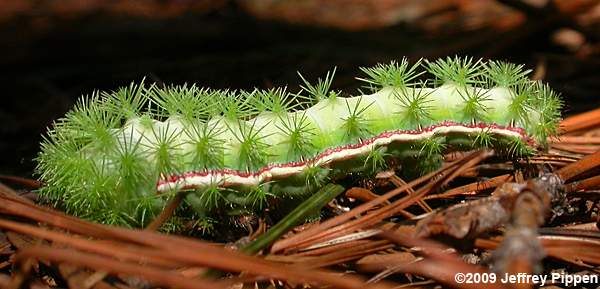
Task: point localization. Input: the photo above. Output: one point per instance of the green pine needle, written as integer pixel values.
(298, 215)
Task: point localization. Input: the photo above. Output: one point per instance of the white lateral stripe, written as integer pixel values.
(226, 178)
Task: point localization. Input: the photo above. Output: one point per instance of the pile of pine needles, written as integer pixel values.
(387, 233)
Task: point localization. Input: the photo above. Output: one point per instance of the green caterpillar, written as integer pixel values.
(116, 157)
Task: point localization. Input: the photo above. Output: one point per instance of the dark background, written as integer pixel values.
(47, 60)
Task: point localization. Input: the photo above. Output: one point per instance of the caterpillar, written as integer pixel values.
(116, 157)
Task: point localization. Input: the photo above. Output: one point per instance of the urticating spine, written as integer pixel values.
(117, 156)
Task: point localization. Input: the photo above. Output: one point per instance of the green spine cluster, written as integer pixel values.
(102, 160)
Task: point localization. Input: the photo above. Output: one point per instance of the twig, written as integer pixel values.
(166, 213)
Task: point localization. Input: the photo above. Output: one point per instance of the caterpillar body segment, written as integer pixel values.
(115, 156)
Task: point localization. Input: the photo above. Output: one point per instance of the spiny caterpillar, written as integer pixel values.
(117, 157)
